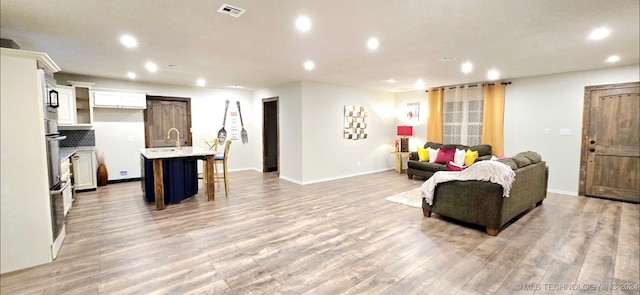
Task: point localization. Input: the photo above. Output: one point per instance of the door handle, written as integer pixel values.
(64, 187)
(592, 150)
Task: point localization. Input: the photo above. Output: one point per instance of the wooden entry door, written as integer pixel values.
(164, 113)
(610, 162)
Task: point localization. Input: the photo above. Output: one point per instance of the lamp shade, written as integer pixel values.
(405, 130)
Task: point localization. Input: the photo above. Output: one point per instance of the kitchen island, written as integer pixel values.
(169, 174)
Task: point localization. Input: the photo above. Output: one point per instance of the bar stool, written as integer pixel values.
(222, 160)
(210, 144)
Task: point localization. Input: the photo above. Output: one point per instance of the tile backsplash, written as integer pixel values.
(78, 138)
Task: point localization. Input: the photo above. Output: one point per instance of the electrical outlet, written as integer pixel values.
(546, 131)
(130, 138)
(565, 131)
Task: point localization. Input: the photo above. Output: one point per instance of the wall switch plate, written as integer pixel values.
(130, 138)
(123, 173)
(546, 131)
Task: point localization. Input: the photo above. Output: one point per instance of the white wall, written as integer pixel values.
(419, 127)
(325, 153)
(554, 101)
(290, 122)
(25, 228)
(113, 126)
(312, 148)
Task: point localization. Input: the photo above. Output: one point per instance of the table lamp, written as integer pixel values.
(405, 131)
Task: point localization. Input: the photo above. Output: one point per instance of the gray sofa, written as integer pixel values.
(426, 169)
(482, 203)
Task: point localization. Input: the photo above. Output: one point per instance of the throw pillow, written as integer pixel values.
(433, 154)
(423, 155)
(459, 156)
(452, 166)
(445, 156)
(470, 157)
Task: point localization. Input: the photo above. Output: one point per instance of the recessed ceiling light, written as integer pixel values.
(201, 82)
(373, 43)
(131, 75)
(447, 58)
(309, 65)
(128, 41)
(467, 67)
(391, 81)
(493, 75)
(419, 84)
(151, 67)
(599, 33)
(303, 23)
(613, 58)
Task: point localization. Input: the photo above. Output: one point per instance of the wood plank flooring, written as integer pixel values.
(271, 236)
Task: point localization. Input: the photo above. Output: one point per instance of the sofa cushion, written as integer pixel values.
(532, 156)
(423, 155)
(426, 166)
(444, 155)
(509, 162)
(433, 154)
(459, 156)
(521, 161)
(470, 157)
(433, 145)
(482, 149)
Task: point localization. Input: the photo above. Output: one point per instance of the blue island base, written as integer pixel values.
(180, 177)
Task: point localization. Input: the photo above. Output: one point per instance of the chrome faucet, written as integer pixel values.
(177, 139)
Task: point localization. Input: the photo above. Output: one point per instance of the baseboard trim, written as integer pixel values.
(123, 180)
(333, 178)
(556, 191)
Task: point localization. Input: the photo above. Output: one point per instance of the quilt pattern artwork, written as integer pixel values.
(355, 122)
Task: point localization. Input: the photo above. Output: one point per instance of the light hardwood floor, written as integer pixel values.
(271, 236)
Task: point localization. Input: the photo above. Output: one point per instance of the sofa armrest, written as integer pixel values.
(414, 156)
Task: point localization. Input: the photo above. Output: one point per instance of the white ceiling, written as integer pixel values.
(262, 48)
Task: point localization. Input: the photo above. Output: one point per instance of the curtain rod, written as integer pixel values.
(470, 85)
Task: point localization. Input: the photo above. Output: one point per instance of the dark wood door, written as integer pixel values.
(270, 136)
(611, 142)
(164, 113)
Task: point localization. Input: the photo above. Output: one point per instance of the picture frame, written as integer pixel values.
(413, 111)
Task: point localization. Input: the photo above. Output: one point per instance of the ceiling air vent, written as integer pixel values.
(231, 10)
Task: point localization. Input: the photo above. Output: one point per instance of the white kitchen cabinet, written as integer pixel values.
(84, 170)
(65, 176)
(114, 99)
(67, 102)
(75, 105)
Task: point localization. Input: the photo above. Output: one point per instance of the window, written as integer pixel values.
(462, 115)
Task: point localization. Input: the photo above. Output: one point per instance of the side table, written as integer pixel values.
(399, 156)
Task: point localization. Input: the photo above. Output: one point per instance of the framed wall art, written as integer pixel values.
(355, 122)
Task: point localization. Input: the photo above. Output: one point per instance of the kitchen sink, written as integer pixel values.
(161, 150)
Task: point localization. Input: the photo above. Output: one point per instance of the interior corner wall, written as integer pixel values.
(419, 137)
(554, 102)
(290, 124)
(326, 155)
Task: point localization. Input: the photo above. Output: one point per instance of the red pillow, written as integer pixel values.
(451, 167)
(445, 156)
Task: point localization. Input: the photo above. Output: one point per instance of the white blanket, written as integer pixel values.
(492, 171)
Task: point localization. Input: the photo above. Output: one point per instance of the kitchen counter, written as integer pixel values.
(172, 152)
(169, 173)
(66, 152)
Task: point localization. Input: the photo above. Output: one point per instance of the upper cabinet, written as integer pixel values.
(114, 99)
(75, 106)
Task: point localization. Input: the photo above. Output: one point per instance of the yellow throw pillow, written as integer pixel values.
(423, 155)
(470, 157)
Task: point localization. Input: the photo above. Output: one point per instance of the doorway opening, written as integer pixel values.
(270, 136)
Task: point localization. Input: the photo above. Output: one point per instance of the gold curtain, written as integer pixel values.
(493, 117)
(434, 121)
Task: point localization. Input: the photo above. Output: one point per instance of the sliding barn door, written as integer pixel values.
(611, 142)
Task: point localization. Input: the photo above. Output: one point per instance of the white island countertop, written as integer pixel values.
(173, 152)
